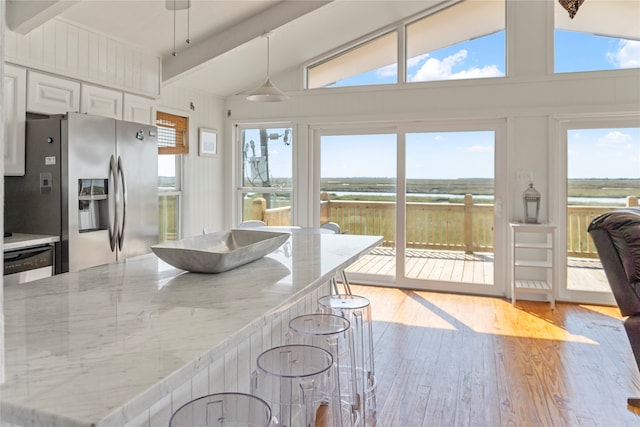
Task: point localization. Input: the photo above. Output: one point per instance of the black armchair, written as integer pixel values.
(616, 235)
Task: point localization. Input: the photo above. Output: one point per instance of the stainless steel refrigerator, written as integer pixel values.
(93, 182)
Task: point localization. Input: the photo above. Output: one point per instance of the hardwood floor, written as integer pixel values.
(455, 360)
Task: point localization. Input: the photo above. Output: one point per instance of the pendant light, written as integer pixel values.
(571, 6)
(267, 92)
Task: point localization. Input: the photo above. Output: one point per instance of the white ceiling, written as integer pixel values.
(227, 53)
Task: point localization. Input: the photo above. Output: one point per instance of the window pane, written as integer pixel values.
(169, 215)
(167, 172)
(449, 206)
(603, 35)
(374, 62)
(603, 174)
(576, 51)
(464, 41)
(358, 184)
(272, 208)
(267, 157)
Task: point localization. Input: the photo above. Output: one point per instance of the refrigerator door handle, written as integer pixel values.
(113, 233)
(123, 200)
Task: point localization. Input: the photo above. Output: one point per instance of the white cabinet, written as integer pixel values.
(15, 87)
(100, 101)
(48, 94)
(532, 260)
(139, 109)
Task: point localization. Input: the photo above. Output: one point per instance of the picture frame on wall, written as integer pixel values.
(208, 145)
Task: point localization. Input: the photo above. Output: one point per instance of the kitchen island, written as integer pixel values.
(127, 343)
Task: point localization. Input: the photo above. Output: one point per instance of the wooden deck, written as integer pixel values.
(582, 273)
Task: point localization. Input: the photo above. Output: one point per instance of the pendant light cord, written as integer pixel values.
(174, 29)
(268, 55)
(188, 20)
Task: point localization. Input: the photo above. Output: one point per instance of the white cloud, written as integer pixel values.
(480, 148)
(416, 60)
(435, 69)
(615, 138)
(627, 55)
(389, 70)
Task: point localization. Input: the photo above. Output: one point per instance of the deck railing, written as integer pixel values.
(445, 226)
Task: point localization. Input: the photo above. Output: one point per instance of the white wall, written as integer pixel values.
(203, 177)
(61, 48)
(529, 100)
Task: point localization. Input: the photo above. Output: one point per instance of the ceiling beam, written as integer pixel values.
(231, 38)
(23, 16)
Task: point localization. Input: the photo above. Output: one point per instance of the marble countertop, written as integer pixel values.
(21, 241)
(90, 348)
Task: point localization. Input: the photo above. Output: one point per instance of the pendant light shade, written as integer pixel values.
(267, 92)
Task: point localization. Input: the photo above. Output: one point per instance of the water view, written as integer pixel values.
(595, 192)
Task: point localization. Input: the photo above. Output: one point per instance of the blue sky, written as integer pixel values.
(599, 153)
(603, 153)
(612, 153)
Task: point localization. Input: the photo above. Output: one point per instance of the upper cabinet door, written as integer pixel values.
(52, 95)
(139, 109)
(15, 88)
(100, 101)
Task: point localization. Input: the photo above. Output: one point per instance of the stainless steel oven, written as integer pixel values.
(28, 264)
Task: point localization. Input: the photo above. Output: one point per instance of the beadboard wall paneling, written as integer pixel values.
(203, 177)
(231, 372)
(71, 51)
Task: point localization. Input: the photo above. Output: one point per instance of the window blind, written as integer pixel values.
(172, 133)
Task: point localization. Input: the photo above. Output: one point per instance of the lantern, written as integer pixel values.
(531, 198)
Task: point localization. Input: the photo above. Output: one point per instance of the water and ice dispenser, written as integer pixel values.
(93, 208)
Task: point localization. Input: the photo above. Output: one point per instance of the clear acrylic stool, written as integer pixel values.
(223, 410)
(293, 379)
(357, 310)
(333, 333)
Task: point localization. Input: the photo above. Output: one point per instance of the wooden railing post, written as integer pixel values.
(259, 208)
(325, 212)
(632, 201)
(468, 223)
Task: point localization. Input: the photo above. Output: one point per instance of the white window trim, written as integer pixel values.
(558, 158)
(237, 167)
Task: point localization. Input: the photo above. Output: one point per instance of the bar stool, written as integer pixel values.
(333, 333)
(223, 409)
(357, 310)
(293, 379)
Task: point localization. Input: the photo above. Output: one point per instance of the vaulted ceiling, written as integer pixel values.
(227, 53)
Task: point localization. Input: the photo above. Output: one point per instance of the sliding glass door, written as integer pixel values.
(602, 173)
(358, 192)
(449, 206)
(428, 190)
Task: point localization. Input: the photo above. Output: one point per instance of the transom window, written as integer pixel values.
(603, 35)
(463, 41)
